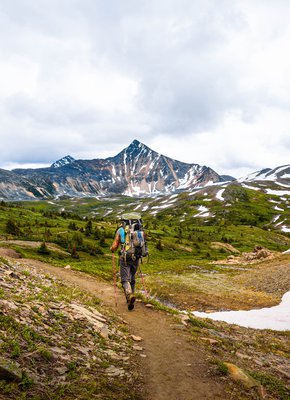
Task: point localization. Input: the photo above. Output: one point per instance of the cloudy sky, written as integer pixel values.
(202, 81)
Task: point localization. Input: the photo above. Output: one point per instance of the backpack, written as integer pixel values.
(135, 245)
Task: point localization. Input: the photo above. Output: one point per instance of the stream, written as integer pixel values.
(276, 318)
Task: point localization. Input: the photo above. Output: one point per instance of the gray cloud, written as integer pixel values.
(86, 76)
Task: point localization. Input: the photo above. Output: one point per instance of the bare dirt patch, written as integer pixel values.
(9, 253)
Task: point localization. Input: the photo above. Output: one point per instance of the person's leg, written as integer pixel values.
(133, 270)
(125, 278)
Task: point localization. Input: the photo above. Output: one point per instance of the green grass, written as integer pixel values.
(82, 236)
(272, 385)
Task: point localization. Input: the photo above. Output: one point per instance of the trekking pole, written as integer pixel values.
(143, 283)
(115, 278)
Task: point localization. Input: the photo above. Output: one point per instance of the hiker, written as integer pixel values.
(128, 264)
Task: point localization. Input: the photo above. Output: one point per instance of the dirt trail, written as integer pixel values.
(174, 369)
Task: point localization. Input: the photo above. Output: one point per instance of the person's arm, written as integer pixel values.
(116, 242)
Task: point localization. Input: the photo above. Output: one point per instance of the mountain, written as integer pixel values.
(63, 161)
(277, 174)
(136, 170)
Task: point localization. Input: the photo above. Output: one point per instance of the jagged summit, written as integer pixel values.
(63, 161)
(136, 170)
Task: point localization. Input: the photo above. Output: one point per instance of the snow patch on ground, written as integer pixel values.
(285, 228)
(278, 192)
(278, 208)
(203, 212)
(276, 218)
(250, 187)
(219, 195)
(276, 318)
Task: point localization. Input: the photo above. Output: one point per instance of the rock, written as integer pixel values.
(209, 340)
(9, 370)
(97, 320)
(104, 332)
(113, 371)
(136, 338)
(243, 356)
(137, 348)
(143, 355)
(57, 350)
(283, 372)
(262, 392)
(184, 317)
(237, 374)
(9, 304)
(113, 355)
(149, 305)
(61, 370)
(12, 274)
(67, 267)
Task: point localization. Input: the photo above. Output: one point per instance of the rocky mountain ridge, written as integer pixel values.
(136, 170)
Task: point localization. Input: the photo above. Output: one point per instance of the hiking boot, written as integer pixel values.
(131, 302)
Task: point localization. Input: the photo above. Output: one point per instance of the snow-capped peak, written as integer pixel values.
(63, 161)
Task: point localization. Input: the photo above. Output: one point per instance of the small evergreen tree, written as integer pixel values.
(12, 227)
(89, 228)
(43, 249)
(74, 253)
(159, 245)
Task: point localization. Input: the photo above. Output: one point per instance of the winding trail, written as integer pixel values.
(174, 367)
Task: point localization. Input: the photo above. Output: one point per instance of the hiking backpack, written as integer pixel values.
(134, 245)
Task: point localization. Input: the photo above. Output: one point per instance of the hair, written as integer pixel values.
(137, 227)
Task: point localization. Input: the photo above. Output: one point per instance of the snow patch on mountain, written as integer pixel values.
(203, 212)
(63, 161)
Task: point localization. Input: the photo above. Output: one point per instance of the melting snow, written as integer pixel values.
(278, 208)
(278, 192)
(203, 212)
(202, 208)
(276, 318)
(276, 218)
(219, 195)
(250, 187)
(285, 228)
(164, 206)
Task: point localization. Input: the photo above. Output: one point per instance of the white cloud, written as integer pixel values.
(200, 81)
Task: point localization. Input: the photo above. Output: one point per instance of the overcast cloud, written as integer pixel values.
(202, 81)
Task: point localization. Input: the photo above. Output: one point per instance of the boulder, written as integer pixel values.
(237, 374)
(9, 370)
